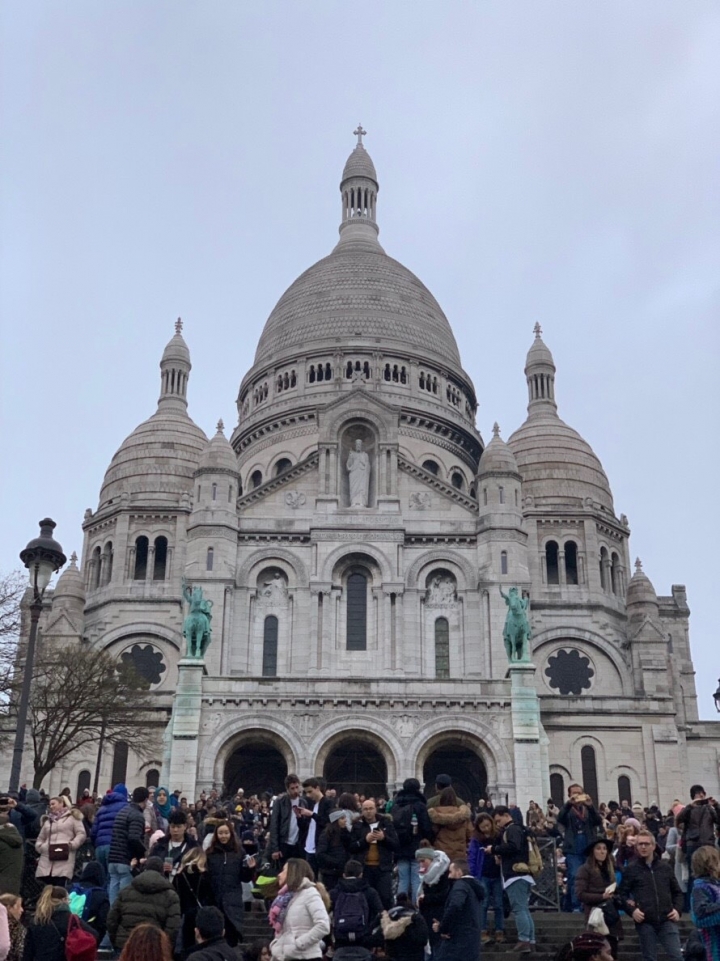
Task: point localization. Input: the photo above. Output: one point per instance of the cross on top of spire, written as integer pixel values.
(178, 325)
(496, 429)
(220, 426)
(360, 133)
(537, 329)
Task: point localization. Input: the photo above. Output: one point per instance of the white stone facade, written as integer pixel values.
(408, 674)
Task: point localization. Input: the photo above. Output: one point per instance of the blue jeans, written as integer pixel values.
(409, 877)
(519, 896)
(666, 934)
(120, 877)
(102, 853)
(493, 888)
(573, 863)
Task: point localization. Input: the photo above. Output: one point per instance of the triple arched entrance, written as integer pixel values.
(356, 762)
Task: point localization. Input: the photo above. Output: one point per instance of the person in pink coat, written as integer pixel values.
(62, 829)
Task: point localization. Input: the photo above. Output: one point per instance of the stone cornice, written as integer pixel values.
(287, 702)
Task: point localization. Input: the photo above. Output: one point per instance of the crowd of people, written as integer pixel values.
(150, 875)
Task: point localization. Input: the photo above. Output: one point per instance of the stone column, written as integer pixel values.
(527, 730)
(186, 725)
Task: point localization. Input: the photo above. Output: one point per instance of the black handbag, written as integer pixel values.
(610, 912)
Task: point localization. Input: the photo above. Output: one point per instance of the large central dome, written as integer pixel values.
(358, 295)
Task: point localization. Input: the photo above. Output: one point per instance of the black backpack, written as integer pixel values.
(351, 916)
(403, 822)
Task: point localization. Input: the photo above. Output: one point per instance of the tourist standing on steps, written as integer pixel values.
(697, 824)
(461, 922)
(484, 867)
(315, 818)
(452, 825)
(60, 837)
(651, 895)
(284, 830)
(434, 890)
(595, 883)
(128, 842)
(228, 869)
(301, 920)
(333, 849)
(706, 899)
(374, 842)
(413, 826)
(102, 827)
(582, 824)
(512, 847)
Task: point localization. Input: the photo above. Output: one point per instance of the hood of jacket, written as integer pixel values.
(32, 796)
(72, 813)
(404, 798)
(473, 884)
(449, 816)
(11, 835)
(93, 875)
(439, 867)
(352, 885)
(118, 795)
(150, 882)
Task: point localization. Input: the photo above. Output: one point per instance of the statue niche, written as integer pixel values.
(272, 588)
(441, 590)
(357, 467)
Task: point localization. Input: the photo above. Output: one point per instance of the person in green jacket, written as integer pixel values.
(11, 857)
(150, 897)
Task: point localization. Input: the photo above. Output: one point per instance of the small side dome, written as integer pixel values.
(70, 590)
(497, 457)
(641, 597)
(359, 164)
(539, 353)
(218, 456)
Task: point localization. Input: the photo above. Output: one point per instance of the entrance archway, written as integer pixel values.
(465, 767)
(356, 765)
(255, 767)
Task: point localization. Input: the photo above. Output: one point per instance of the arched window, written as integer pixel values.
(589, 772)
(551, 562)
(485, 496)
(442, 647)
(152, 778)
(501, 494)
(615, 573)
(141, 558)
(557, 789)
(503, 562)
(160, 559)
(255, 479)
(209, 559)
(603, 568)
(270, 646)
(357, 612)
(457, 480)
(108, 552)
(571, 563)
(624, 792)
(120, 763)
(214, 492)
(282, 465)
(431, 466)
(83, 783)
(96, 565)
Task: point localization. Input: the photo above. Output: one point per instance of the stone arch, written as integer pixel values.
(362, 727)
(272, 555)
(236, 731)
(472, 732)
(333, 559)
(462, 568)
(571, 635)
(333, 428)
(146, 628)
(277, 456)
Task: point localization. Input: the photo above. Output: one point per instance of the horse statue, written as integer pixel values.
(516, 633)
(196, 626)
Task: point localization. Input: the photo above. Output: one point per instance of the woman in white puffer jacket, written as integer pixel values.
(299, 914)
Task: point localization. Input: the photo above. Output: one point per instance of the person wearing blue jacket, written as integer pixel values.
(484, 867)
(102, 828)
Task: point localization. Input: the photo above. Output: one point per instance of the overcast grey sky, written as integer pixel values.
(538, 161)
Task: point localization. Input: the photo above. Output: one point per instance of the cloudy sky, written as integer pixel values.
(538, 161)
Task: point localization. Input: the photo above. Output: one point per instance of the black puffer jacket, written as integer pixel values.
(128, 835)
(150, 897)
(333, 851)
(651, 887)
(405, 805)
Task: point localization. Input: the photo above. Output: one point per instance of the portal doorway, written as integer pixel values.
(356, 765)
(465, 767)
(256, 768)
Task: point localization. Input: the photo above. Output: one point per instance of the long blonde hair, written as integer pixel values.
(194, 860)
(52, 897)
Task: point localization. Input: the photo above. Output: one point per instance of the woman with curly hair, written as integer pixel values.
(588, 946)
(14, 907)
(147, 942)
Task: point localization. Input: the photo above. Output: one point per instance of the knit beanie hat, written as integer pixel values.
(336, 815)
(154, 864)
(424, 853)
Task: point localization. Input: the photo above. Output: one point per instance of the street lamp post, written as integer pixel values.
(716, 697)
(43, 557)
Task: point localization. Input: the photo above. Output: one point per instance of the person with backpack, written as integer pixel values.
(461, 923)
(513, 848)
(404, 930)
(56, 934)
(88, 898)
(356, 907)
(413, 826)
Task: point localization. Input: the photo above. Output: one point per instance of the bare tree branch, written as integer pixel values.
(12, 589)
(80, 695)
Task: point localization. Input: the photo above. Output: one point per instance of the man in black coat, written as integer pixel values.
(513, 850)
(374, 841)
(353, 882)
(461, 924)
(413, 826)
(128, 842)
(285, 835)
(210, 935)
(651, 895)
(314, 818)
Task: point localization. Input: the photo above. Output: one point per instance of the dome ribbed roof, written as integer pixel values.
(218, 454)
(640, 591)
(497, 456)
(359, 164)
(70, 587)
(358, 295)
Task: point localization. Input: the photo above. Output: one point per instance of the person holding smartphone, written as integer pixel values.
(176, 843)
